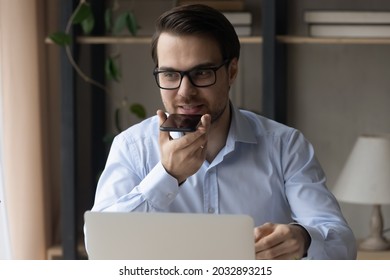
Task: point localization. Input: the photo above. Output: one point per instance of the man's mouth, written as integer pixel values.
(190, 109)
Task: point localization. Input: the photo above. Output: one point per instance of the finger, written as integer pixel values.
(205, 122)
(162, 116)
(267, 238)
(272, 256)
(204, 128)
(287, 250)
(164, 136)
(198, 138)
(263, 230)
(281, 243)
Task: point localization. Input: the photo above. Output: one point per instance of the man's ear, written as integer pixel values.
(233, 70)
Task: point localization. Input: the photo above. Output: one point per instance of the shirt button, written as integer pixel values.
(170, 196)
(211, 210)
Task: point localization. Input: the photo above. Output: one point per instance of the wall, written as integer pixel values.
(336, 93)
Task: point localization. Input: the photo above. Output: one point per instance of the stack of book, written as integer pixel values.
(222, 5)
(234, 10)
(350, 24)
(242, 22)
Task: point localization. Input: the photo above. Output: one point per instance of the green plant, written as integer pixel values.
(124, 21)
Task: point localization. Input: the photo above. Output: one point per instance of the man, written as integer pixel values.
(236, 162)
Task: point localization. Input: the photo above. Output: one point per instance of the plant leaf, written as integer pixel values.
(108, 19)
(120, 23)
(108, 138)
(112, 70)
(82, 13)
(138, 110)
(61, 38)
(88, 24)
(131, 23)
(117, 120)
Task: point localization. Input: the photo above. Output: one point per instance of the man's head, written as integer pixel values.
(198, 20)
(196, 51)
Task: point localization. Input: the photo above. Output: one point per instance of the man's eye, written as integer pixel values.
(199, 73)
(170, 75)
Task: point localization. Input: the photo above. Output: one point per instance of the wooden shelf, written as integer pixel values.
(251, 40)
(107, 40)
(142, 40)
(286, 39)
(333, 41)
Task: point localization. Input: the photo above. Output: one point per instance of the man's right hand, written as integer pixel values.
(184, 156)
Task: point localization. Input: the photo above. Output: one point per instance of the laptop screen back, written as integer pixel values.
(168, 236)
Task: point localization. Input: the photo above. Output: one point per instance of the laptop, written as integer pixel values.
(168, 236)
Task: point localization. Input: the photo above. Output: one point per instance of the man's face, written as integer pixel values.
(182, 53)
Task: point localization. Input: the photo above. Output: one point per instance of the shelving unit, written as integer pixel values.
(68, 148)
(69, 141)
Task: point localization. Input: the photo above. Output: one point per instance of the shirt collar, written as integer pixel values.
(241, 129)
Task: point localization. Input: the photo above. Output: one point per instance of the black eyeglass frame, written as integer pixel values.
(156, 71)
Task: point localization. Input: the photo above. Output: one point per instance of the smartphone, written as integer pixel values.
(181, 123)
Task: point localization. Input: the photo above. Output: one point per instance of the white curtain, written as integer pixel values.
(24, 129)
(5, 248)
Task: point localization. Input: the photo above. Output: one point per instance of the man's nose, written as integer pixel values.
(186, 87)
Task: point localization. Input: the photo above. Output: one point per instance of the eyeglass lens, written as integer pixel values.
(200, 77)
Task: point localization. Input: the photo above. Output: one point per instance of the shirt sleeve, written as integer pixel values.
(313, 206)
(121, 189)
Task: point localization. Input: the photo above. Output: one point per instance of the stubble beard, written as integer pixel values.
(217, 115)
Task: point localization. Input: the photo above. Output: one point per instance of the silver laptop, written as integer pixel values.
(168, 236)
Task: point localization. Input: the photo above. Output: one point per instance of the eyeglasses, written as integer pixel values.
(199, 77)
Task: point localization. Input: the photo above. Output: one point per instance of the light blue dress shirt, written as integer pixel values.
(266, 170)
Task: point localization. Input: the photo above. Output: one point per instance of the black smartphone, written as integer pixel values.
(181, 123)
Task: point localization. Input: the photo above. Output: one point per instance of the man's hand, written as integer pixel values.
(281, 241)
(184, 156)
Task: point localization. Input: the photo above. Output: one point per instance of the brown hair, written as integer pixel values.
(201, 20)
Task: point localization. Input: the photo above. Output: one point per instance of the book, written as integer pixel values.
(367, 17)
(349, 30)
(239, 18)
(243, 30)
(221, 5)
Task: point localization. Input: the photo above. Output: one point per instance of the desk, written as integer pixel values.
(373, 255)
